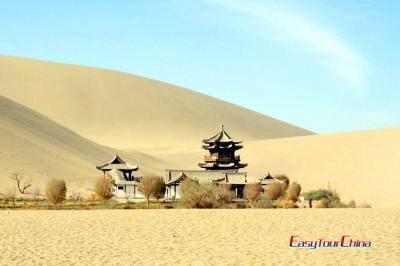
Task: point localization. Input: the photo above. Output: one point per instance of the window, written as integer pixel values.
(120, 187)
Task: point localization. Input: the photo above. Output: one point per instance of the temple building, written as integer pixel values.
(221, 167)
(222, 148)
(125, 182)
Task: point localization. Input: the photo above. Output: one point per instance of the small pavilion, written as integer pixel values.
(125, 182)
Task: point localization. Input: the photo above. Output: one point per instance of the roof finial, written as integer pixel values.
(222, 126)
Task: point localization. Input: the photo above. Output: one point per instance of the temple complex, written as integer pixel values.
(221, 166)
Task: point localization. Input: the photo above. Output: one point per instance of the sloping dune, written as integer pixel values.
(40, 148)
(127, 111)
(361, 165)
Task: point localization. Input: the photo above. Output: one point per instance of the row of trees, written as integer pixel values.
(281, 193)
(56, 189)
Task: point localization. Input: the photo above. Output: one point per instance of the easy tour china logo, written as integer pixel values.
(343, 242)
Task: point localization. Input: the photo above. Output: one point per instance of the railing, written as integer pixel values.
(209, 158)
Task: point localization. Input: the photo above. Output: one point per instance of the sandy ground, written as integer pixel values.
(195, 237)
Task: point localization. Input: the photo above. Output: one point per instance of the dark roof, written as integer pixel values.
(221, 137)
(206, 176)
(117, 163)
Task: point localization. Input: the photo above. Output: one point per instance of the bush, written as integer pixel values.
(284, 181)
(285, 203)
(364, 205)
(222, 195)
(152, 186)
(273, 190)
(158, 190)
(264, 202)
(321, 194)
(293, 191)
(252, 192)
(196, 195)
(103, 187)
(323, 203)
(352, 204)
(56, 191)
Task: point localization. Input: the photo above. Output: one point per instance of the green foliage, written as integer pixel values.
(318, 194)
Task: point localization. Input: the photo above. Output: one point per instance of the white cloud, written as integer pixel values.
(327, 48)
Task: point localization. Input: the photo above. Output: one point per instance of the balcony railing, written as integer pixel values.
(209, 158)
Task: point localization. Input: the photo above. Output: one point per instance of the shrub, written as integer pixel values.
(252, 192)
(151, 186)
(92, 197)
(365, 205)
(284, 181)
(222, 195)
(103, 187)
(273, 190)
(158, 190)
(293, 191)
(196, 195)
(285, 203)
(330, 197)
(56, 191)
(264, 202)
(352, 204)
(323, 203)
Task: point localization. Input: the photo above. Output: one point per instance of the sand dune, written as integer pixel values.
(41, 148)
(196, 237)
(161, 126)
(127, 111)
(363, 165)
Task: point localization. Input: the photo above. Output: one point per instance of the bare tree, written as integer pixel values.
(22, 185)
(11, 196)
(56, 191)
(103, 187)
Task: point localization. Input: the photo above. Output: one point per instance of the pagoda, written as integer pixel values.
(222, 150)
(117, 164)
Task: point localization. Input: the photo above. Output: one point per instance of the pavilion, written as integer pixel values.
(125, 182)
(221, 167)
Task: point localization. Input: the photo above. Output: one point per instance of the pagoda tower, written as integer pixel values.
(222, 150)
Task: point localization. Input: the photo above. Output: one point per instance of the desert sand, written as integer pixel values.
(196, 237)
(40, 148)
(127, 111)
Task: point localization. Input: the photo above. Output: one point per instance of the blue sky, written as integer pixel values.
(327, 66)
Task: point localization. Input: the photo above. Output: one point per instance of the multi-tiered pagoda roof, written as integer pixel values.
(222, 150)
